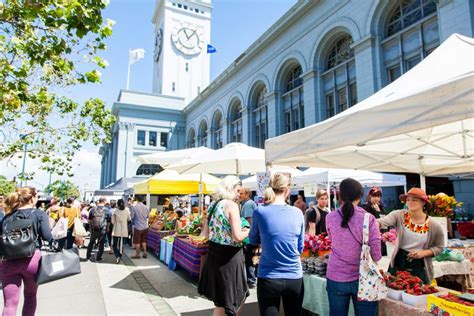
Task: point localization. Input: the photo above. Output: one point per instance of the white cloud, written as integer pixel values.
(86, 168)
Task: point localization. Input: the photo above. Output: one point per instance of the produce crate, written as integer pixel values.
(440, 306)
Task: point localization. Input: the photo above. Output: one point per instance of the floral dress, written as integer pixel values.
(219, 227)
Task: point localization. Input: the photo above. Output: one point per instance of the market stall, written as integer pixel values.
(187, 253)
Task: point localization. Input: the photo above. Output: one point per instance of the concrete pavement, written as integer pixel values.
(133, 287)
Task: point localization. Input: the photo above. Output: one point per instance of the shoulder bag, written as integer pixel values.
(372, 286)
(58, 265)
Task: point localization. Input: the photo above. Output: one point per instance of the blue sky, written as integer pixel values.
(236, 24)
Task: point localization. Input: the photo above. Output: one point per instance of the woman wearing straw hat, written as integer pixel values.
(419, 237)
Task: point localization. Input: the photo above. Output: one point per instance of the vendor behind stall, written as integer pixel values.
(419, 237)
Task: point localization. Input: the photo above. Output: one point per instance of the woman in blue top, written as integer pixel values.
(279, 228)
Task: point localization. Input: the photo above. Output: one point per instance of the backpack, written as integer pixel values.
(19, 236)
(98, 218)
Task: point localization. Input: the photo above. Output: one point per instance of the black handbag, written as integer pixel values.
(58, 265)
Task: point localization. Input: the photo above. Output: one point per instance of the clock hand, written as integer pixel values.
(186, 34)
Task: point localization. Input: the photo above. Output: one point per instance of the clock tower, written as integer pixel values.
(181, 61)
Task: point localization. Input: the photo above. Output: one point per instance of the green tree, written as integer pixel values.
(63, 189)
(6, 187)
(46, 46)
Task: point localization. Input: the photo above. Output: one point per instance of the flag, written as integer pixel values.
(211, 49)
(135, 55)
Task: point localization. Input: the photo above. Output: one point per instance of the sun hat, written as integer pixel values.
(418, 193)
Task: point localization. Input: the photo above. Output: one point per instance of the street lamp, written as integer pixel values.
(23, 136)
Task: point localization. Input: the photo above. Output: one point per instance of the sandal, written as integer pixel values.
(144, 255)
(136, 257)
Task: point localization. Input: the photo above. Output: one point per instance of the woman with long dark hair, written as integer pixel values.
(374, 206)
(345, 228)
(20, 205)
(120, 218)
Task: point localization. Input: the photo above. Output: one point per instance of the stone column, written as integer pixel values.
(367, 74)
(128, 154)
(246, 126)
(273, 114)
(310, 104)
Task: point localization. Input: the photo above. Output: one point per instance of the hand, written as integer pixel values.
(416, 254)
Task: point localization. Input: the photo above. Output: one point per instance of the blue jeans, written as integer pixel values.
(117, 242)
(340, 294)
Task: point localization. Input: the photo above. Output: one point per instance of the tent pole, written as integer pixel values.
(328, 190)
(200, 195)
(423, 182)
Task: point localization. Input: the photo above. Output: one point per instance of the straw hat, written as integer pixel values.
(418, 193)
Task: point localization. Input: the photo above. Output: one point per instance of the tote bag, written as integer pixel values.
(372, 286)
(58, 265)
(59, 230)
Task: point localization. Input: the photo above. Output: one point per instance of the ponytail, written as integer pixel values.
(347, 213)
(12, 202)
(350, 190)
(269, 195)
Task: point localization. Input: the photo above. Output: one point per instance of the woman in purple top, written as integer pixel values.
(345, 230)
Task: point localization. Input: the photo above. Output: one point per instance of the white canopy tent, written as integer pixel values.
(233, 158)
(166, 158)
(421, 123)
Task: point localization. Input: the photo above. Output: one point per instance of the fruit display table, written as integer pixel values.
(153, 239)
(316, 300)
(188, 255)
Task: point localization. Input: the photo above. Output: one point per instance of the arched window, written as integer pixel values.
(236, 122)
(191, 139)
(293, 101)
(260, 117)
(410, 35)
(148, 170)
(202, 137)
(217, 131)
(339, 79)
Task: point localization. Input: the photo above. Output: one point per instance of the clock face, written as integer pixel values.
(187, 39)
(158, 44)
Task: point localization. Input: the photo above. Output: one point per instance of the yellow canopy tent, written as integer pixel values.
(171, 182)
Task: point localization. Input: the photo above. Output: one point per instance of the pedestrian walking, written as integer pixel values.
(279, 228)
(345, 229)
(70, 212)
(120, 218)
(97, 225)
(248, 206)
(223, 278)
(140, 215)
(20, 206)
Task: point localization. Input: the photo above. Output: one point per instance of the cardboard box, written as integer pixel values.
(440, 306)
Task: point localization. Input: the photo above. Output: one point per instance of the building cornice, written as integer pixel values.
(267, 38)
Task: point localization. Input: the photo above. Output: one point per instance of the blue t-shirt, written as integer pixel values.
(248, 207)
(280, 231)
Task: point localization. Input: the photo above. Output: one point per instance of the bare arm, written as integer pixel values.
(233, 212)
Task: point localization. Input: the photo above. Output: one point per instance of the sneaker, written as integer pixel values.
(144, 255)
(117, 261)
(136, 257)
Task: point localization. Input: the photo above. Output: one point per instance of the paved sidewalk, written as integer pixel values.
(134, 287)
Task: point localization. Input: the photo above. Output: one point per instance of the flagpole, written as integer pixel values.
(128, 72)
